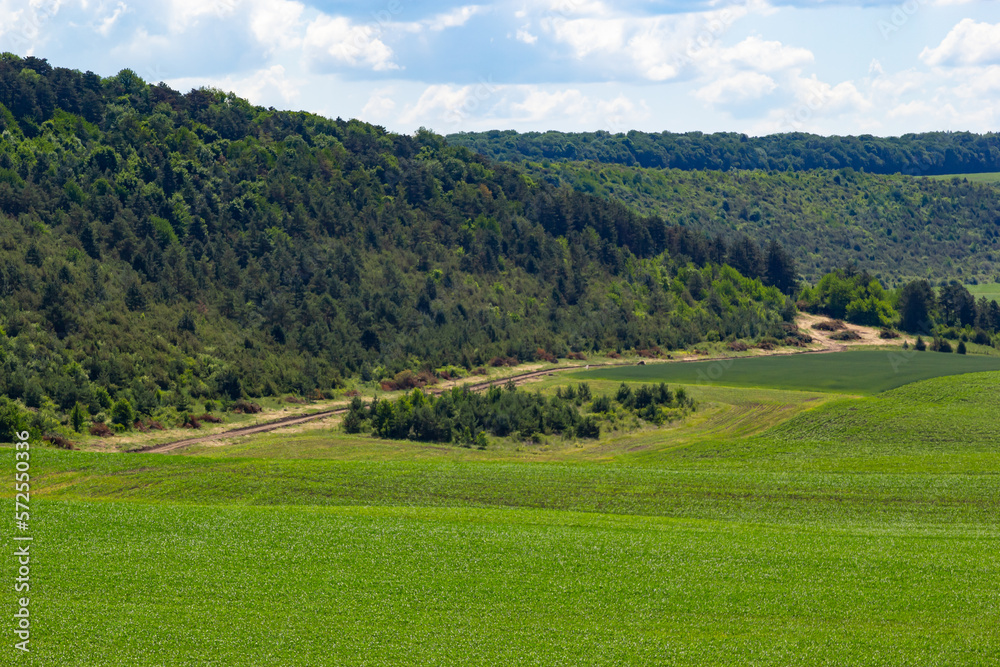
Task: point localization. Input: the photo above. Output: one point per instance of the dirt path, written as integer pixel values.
(869, 336)
(285, 422)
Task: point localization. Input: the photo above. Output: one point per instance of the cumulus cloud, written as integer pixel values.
(449, 107)
(737, 89)
(260, 87)
(277, 23)
(968, 43)
(764, 56)
(336, 40)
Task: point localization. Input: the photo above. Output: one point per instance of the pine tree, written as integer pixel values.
(76, 417)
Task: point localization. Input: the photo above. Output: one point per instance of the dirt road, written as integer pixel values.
(869, 336)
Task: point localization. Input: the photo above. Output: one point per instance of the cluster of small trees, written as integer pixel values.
(858, 297)
(468, 418)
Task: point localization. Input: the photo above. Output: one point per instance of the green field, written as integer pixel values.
(773, 527)
(989, 290)
(986, 177)
(860, 372)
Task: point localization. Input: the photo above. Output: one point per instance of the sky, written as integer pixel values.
(753, 66)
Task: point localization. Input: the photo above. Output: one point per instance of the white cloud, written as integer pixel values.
(453, 19)
(277, 23)
(262, 87)
(765, 56)
(737, 89)
(968, 43)
(343, 42)
(523, 35)
(448, 108)
(108, 22)
(380, 105)
(184, 13)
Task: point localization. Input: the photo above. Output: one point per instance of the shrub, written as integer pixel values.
(830, 325)
(123, 413)
(614, 355)
(101, 430)
(58, 441)
(13, 420)
(940, 345)
(577, 356)
(920, 345)
(211, 419)
(542, 355)
(847, 334)
(246, 408)
(961, 347)
(738, 346)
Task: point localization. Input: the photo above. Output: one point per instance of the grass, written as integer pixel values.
(986, 177)
(989, 290)
(773, 527)
(854, 372)
(722, 412)
(145, 584)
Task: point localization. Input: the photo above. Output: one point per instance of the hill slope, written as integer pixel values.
(161, 247)
(893, 226)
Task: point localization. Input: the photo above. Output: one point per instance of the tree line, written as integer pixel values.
(923, 154)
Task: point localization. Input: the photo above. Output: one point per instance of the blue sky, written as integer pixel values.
(754, 66)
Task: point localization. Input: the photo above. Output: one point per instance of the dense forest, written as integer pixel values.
(161, 248)
(895, 227)
(911, 154)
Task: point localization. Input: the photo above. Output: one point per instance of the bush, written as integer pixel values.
(940, 345)
(738, 346)
(847, 334)
(920, 345)
(888, 334)
(58, 441)
(830, 325)
(242, 407)
(13, 420)
(576, 356)
(101, 430)
(961, 348)
(123, 413)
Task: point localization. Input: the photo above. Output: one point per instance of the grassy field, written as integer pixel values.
(990, 290)
(860, 372)
(988, 177)
(774, 527)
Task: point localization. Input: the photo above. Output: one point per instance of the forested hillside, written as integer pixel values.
(159, 247)
(911, 154)
(892, 226)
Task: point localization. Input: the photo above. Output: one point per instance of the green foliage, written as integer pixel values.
(123, 414)
(77, 417)
(466, 417)
(194, 245)
(855, 297)
(895, 227)
(13, 420)
(913, 154)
